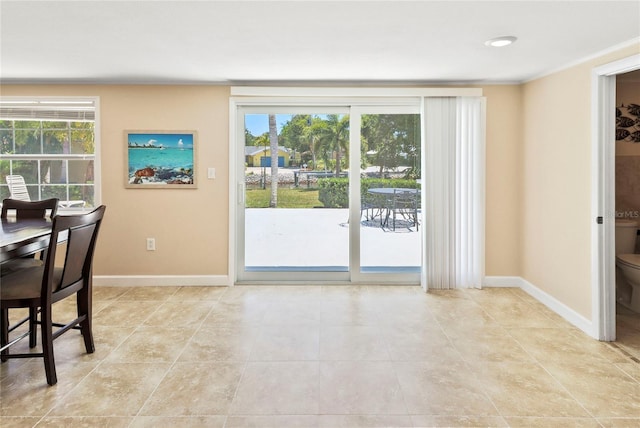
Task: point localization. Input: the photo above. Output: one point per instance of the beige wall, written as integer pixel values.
(190, 225)
(556, 186)
(503, 180)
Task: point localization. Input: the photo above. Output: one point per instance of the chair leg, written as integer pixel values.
(85, 308)
(47, 345)
(4, 334)
(33, 327)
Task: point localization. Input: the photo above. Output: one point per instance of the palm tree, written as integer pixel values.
(334, 136)
(273, 140)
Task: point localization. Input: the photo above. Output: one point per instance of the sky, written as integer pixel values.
(167, 140)
(258, 124)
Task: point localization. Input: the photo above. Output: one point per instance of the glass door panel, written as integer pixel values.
(296, 202)
(390, 241)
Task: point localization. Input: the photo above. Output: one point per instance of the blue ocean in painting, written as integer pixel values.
(160, 158)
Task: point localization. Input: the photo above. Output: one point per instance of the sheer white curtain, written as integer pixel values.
(453, 164)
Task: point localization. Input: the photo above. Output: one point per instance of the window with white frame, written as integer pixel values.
(51, 144)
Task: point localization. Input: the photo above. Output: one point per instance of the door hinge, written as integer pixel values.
(599, 220)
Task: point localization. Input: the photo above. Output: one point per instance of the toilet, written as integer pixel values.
(627, 265)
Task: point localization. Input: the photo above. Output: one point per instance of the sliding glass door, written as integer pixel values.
(390, 181)
(328, 193)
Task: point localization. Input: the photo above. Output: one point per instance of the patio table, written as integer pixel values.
(397, 202)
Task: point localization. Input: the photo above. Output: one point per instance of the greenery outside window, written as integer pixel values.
(52, 145)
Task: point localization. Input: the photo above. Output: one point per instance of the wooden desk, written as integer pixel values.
(22, 237)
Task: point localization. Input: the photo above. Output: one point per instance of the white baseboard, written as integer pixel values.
(502, 281)
(550, 302)
(161, 280)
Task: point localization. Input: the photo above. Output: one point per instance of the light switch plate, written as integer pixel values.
(211, 173)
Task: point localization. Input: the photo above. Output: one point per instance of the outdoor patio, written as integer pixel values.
(320, 237)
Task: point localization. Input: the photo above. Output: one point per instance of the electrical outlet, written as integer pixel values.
(151, 244)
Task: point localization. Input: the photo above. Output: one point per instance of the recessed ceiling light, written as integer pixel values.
(499, 42)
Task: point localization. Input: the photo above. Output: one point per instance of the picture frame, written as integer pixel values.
(160, 159)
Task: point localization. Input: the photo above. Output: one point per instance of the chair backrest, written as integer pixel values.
(24, 209)
(17, 187)
(81, 233)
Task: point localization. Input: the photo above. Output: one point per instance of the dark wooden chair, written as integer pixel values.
(41, 286)
(25, 209)
(20, 209)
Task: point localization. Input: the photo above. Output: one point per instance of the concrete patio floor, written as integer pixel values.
(320, 237)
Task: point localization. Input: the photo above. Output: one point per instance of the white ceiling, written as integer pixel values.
(266, 41)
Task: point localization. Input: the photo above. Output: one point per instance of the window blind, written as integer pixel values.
(41, 109)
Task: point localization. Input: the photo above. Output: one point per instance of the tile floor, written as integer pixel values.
(327, 356)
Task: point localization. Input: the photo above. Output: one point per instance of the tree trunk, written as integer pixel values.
(273, 141)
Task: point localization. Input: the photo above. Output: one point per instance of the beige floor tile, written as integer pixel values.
(159, 293)
(442, 390)
(558, 344)
(180, 314)
(359, 343)
(345, 292)
(631, 368)
(152, 345)
(18, 421)
(286, 343)
(178, 422)
(458, 421)
(461, 314)
(277, 421)
(619, 422)
(294, 311)
(364, 421)
(524, 389)
(341, 310)
(198, 294)
(112, 389)
(234, 313)
(628, 338)
(195, 389)
(26, 393)
(278, 388)
(602, 388)
(427, 344)
(552, 422)
(360, 387)
(411, 316)
(226, 342)
(518, 314)
(487, 344)
(85, 422)
(70, 346)
(103, 292)
(320, 361)
(122, 313)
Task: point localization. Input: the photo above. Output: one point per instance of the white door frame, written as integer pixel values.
(603, 195)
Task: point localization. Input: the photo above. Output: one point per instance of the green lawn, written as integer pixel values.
(287, 198)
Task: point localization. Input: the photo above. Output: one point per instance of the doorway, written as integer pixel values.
(603, 185)
(328, 193)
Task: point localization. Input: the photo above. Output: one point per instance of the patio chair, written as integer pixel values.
(18, 189)
(39, 287)
(404, 204)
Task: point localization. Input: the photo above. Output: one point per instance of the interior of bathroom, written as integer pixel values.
(628, 211)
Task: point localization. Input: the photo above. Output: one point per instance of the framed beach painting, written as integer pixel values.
(161, 159)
